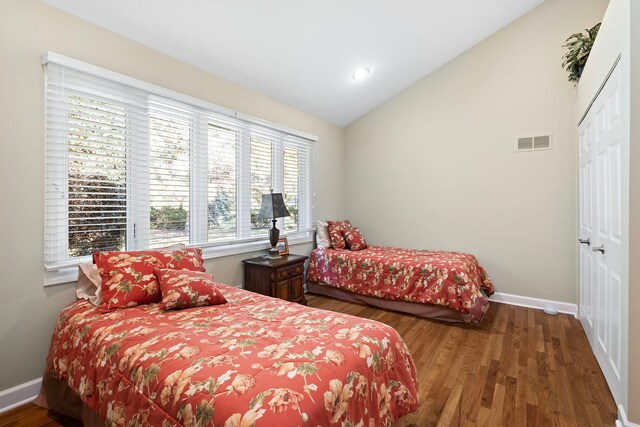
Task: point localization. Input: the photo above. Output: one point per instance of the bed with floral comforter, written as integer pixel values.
(448, 279)
(253, 361)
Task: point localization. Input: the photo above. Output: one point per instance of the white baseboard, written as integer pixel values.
(19, 395)
(562, 307)
(622, 420)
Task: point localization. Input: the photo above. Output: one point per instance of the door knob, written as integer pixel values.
(585, 241)
(599, 249)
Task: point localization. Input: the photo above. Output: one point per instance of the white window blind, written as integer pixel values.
(170, 141)
(132, 166)
(262, 174)
(222, 180)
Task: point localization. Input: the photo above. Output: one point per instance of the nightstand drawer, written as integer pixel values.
(285, 273)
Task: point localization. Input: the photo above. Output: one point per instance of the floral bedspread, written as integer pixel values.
(449, 279)
(253, 361)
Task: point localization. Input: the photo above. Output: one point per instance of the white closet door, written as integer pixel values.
(586, 220)
(600, 205)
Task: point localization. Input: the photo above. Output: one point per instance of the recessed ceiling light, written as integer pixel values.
(361, 74)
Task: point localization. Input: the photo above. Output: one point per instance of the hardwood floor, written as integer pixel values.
(31, 415)
(520, 368)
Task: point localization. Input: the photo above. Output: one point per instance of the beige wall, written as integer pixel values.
(28, 28)
(435, 166)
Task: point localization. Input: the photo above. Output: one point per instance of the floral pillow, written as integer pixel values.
(129, 279)
(88, 285)
(354, 239)
(186, 289)
(336, 231)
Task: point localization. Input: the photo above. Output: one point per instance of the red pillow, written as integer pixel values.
(354, 239)
(186, 289)
(129, 279)
(336, 230)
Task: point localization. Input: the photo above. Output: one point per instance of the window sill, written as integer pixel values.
(70, 274)
(63, 275)
(241, 248)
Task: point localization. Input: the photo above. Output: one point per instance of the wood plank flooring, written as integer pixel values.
(520, 368)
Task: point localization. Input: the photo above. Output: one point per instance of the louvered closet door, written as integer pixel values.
(601, 289)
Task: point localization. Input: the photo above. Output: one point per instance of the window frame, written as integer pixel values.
(203, 114)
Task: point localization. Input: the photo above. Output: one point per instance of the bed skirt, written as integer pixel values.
(427, 311)
(59, 397)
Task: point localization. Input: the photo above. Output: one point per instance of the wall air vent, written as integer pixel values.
(534, 143)
(525, 144)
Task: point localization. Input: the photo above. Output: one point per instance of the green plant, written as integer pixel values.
(169, 218)
(96, 206)
(579, 46)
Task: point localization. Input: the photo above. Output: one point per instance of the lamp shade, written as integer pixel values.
(273, 207)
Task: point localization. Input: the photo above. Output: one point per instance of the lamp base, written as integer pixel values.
(273, 254)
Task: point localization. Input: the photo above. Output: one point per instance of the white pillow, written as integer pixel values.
(322, 235)
(88, 284)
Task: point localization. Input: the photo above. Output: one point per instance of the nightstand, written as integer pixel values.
(281, 278)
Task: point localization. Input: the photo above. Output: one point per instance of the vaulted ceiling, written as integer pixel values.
(304, 52)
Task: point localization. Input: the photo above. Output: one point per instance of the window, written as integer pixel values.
(96, 171)
(133, 166)
(261, 180)
(222, 182)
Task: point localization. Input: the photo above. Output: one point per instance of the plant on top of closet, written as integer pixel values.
(579, 45)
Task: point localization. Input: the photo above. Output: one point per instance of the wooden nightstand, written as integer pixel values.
(282, 278)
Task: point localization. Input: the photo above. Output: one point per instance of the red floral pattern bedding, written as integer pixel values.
(255, 360)
(449, 279)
